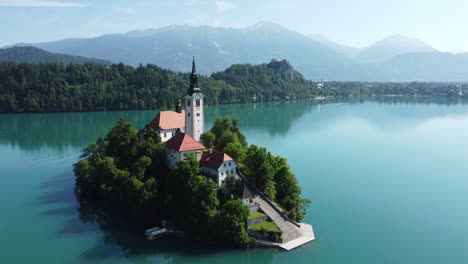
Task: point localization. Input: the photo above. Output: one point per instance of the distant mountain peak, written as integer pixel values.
(152, 31)
(392, 46)
(457, 51)
(320, 38)
(266, 25)
(399, 40)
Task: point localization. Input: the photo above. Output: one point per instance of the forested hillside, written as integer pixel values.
(52, 87)
(61, 88)
(35, 55)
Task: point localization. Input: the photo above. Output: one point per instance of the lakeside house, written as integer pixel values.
(218, 165)
(180, 146)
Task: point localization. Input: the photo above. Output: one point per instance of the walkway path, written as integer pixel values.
(290, 231)
(292, 236)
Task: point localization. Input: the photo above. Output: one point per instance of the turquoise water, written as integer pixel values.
(387, 180)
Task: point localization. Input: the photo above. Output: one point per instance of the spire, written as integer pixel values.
(194, 70)
(193, 88)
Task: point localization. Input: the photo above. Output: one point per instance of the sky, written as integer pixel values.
(357, 23)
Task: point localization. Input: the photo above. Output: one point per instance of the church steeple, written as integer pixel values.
(193, 88)
(194, 117)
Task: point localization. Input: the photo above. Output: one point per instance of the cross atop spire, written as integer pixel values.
(193, 88)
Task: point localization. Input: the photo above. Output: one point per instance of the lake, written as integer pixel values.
(387, 179)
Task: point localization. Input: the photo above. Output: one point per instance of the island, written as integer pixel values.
(208, 186)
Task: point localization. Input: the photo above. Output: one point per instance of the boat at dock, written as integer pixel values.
(158, 232)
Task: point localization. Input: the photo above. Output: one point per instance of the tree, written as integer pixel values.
(288, 190)
(236, 130)
(133, 187)
(220, 126)
(237, 151)
(231, 188)
(259, 170)
(202, 204)
(123, 139)
(208, 139)
(231, 224)
(228, 137)
(176, 187)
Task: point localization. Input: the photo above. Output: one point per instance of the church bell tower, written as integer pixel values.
(194, 119)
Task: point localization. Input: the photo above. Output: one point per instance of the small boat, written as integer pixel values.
(149, 231)
(157, 232)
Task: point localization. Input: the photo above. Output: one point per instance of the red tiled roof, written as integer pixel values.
(183, 142)
(246, 193)
(168, 120)
(214, 159)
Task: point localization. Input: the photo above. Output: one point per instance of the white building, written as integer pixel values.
(218, 165)
(181, 131)
(168, 123)
(180, 146)
(190, 121)
(194, 118)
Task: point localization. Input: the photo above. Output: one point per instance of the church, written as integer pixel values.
(181, 130)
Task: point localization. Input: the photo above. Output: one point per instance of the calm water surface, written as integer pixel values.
(387, 180)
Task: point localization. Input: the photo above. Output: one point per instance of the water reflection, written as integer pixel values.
(60, 131)
(32, 132)
(122, 238)
(114, 237)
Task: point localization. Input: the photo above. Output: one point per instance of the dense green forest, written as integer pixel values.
(52, 87)
(30, 54)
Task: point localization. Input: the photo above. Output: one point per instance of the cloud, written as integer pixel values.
(222, 6)
(37, 3)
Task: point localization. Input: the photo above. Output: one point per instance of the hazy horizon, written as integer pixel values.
(355, 23)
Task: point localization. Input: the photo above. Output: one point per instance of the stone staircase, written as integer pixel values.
(293, 234)
(290, 231)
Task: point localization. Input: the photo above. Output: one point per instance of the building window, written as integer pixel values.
(224, 164)
(229, 163)
(188, 102)
(198, 114)
(197, 103)
(188, 114)
(164, 134)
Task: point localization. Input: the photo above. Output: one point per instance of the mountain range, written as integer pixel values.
(395, 58)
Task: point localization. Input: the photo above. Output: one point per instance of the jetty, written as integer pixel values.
(293, 234)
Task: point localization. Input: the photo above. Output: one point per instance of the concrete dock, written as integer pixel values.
(307, 235)
(294, 234)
